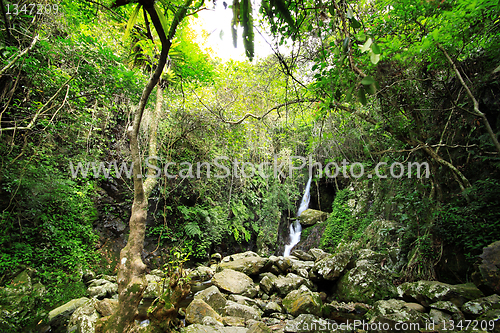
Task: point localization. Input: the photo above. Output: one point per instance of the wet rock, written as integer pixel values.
(331, 267)
(343, 312)
(303, 301)
(247, 265)
(258, 327)
(272, 307)
(243, 311)
(213, 297)
(391, 312)
(487, 274)
(310, 217)
(197, 310)
(318, 254)
(481, 305)
(60, 315)
(232, 281)
(428, 292)
(449, 308)
(303, 255)
(84, 319)
(102, 288)
(365, 284)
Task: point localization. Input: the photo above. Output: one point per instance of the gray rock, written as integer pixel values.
(271, 307)
(285, 284)
(318, 254)
(197, 310)
(243, 311)
(303, 301)
(449, 308)
(238, 256)
(247, 265)
(62, 313)
(428, 292)
(213, 297)
(481, 305)
(258, 327)
(303, 255)
(210, 321)
(310, 217)
(267, 284)
(438, 316)
(395, 311)
(487, 274)
(84, 319)
(331, 267)
(232, 281)
(365, 284)
(153, 289)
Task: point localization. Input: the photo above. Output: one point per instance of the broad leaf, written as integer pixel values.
(131, 21)
(367, 80)
(362, 96)
(366, 45)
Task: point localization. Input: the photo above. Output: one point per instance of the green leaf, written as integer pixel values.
(374, 58)
(355, 24)
(348, 96)
(366, 45)
(345, 44)
(131, 21)
(163, 19)
(367, 80)
(375, 48)
(331, 9)
(349, 14)
(371, 89)
(362, 96)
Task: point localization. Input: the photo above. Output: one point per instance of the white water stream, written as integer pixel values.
(295, 227)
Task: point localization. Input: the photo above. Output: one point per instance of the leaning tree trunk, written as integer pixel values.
(131, 279)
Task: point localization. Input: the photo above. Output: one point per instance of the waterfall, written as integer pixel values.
(295, 227)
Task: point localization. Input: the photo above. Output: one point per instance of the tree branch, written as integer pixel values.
(26, 50)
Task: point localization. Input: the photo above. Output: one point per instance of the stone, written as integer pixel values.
(416, 306)
(310, 217)
(438, 316)
(490, 320)
(102, 288)
(243, 311)
(303, 301)
(428, 292)
(258, 327)
(201, 273)
(487, 274)
(365, 284)
(303, 255)
(213, 297)
(232, 281)
(154, 287)
(343, 312)
(395, 311)
(331, 267)
(481, 305)
(197, 310)
(272, 307)
(318, 254)
(308, 323)
(198, 328)
(251, 291)
(62, 313)
(248, 265)
(210, 321)
(84, 319)
(238, 256)
(449, 308)
(285, 284)
(233, 321)
(106, 307)
(283, 263)
(267, 284)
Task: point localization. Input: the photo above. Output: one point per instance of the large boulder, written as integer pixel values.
(318, 254)
(285, 284)
(427, 292)
(213, 297)
(59, 315)
(390, 313)
(311, 217)
(303, 255)
(241, 255)
(248, 265)
(84, 319)
(266, 284)
(197, 310)
(232, 281)
(102, 288)
(234, 309)
(342, 312)
(331, 267)
(481, 305)
(487, 275)
(303, 301)
(365, 283)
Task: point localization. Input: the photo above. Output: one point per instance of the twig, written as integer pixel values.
(26, 50)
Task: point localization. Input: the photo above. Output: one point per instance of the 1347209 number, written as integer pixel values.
(32, 9)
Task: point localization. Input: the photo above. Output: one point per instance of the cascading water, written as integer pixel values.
(295, 227)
